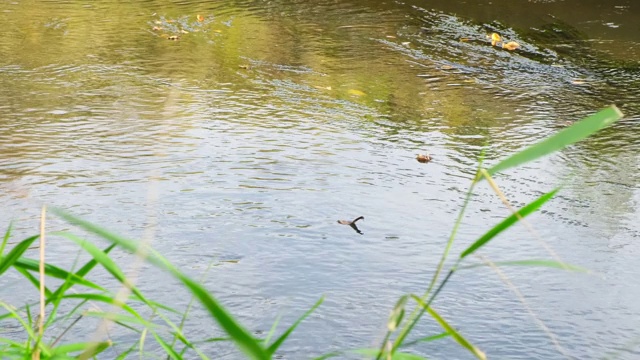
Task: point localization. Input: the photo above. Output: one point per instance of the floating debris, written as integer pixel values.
(511, 45)
(495, 39)
(352, 224)
(424, 158)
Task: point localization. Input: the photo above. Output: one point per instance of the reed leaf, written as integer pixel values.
(56, 272)
(427, 339)
(456, 335)
(531, 262)
(508, 222)
(5, 239)
(276, 344)
(576, 132)
(7, 261)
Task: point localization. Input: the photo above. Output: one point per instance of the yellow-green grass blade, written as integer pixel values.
(532, 263)
(94, 349)
(167, 348)
(115, 317)
(395, 356)
(77, 347)
(56, 272)
(5, 239)
(245, 341)
(508, 222)
(427, 339)
(107, 299)
(397, 313)
(8, 260)
(271, 331)
(32, 279)
(456, 335)
(576, 132)
(276, 344)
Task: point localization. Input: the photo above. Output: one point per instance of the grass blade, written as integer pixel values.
(271, 331)
(169, 350)
(453, 332)
(508, 222)
(427, 339)
(56, 272)
(75, 347)
(531, 262)
(568, 136)
(7, 261)
(276, 344)
(396, 356)
(107, 299)
(5, 239)
(397, 313)
(32, 279)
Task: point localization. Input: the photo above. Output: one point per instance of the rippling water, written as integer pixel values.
(241, 143)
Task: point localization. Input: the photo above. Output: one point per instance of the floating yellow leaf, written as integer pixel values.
(464, 39)
(217, 31)
(200, 18)
(578, 82)
(356, 92)
(511, 45)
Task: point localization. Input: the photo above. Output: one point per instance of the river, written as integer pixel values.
(233, 135)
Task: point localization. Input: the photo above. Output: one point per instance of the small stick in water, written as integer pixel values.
(352, 224)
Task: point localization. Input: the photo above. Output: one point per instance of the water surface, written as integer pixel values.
(241, 143)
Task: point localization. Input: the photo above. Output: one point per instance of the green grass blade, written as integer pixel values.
(32, 279)
(126, 353)
(7, 261)
(397, 313)
(271, 331)
(105, 299)
(245, 341)
(506, 223)
(396, 356)
(276, 344)
(121, 318)
(533, 263)
(456, 335)
(56, 272)
(76, 347)
(168, 349)
(568, 136)
(5, 239)
(94, 349)
(427, 339)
